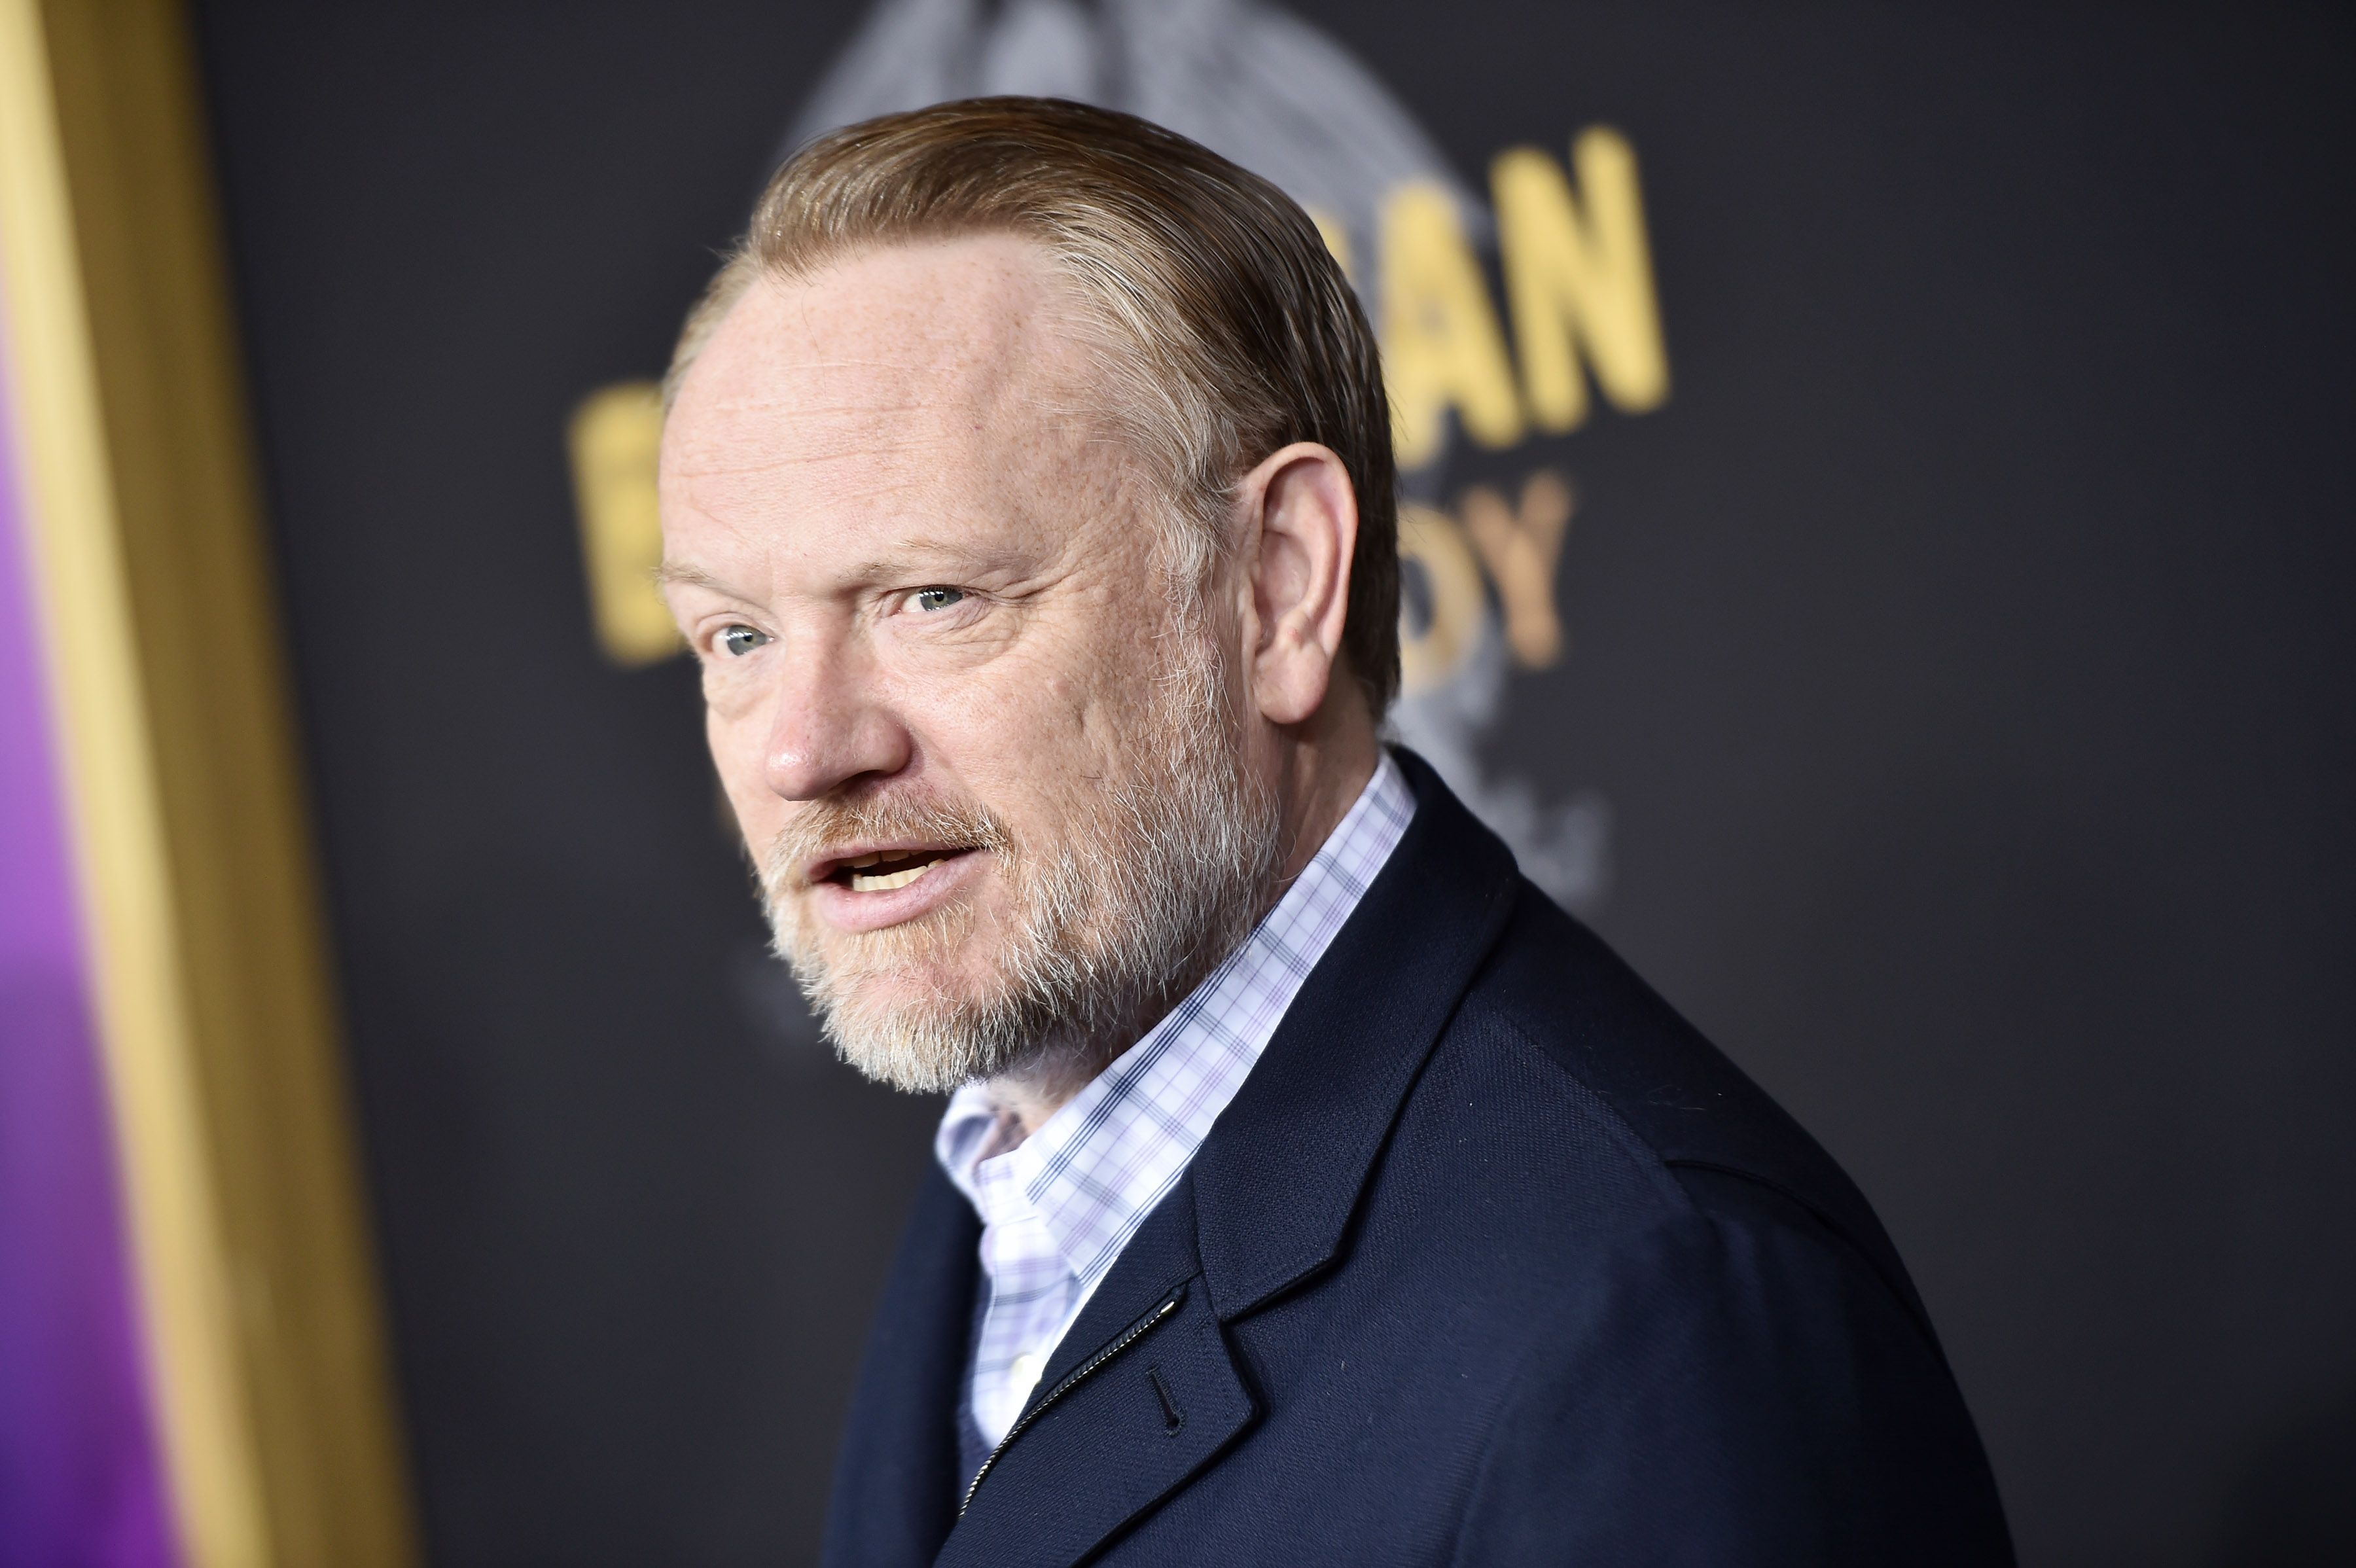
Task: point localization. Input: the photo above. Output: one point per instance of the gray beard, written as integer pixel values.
(1113, 925)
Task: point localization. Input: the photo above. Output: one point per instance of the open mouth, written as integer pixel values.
(882, 872)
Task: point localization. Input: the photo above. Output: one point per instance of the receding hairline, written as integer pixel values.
(1040, 374)
(1033, 388)
(1063, 297)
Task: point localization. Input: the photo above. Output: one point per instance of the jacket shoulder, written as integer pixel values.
(1555, 987)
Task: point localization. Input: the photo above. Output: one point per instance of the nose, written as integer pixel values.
(830, 726)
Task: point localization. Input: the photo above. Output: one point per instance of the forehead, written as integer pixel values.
(906, 354)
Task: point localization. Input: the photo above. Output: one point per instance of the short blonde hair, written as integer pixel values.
(1231, 331)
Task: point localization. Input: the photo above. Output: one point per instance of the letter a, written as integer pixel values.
(1576, 279)
(1441, 344)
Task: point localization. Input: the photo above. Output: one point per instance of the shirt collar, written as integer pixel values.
(1097, 1168)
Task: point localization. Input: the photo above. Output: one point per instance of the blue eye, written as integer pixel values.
(936, 598)
(740, 640)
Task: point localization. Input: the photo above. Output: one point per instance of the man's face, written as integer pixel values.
(984, 755)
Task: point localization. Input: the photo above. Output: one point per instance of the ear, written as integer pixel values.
(1301, 524)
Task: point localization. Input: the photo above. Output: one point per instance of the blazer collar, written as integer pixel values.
(1264, 1207)
(1277, 1180)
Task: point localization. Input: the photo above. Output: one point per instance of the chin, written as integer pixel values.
(915, 1006)
(919, 995)
(923, 1037)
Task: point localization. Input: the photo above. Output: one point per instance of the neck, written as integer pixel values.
(1319, 776)
(1036, 1090)
(1316, 772)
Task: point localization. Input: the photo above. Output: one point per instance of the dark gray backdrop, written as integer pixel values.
(1963, 652)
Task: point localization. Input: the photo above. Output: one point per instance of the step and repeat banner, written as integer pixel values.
(1877, 537)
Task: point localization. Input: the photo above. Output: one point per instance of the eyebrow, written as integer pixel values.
(958, 556)
(906, 552)
(671, 572)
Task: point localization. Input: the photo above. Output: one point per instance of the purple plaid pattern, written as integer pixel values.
(1058, 1207)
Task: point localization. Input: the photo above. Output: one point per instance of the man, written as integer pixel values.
(1311, 1190)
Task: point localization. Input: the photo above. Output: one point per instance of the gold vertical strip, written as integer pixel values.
(264, 1331)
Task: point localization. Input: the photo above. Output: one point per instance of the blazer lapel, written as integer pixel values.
(1140, 1394)
(895, 1481)
(1279, 1175)
(1143, 1393)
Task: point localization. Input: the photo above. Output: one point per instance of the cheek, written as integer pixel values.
(1007, 736)
(1058, 731)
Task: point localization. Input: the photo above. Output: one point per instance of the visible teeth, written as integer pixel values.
(866, 859)
(885, 881)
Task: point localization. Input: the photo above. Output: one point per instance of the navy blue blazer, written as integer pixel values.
(1492, 1260)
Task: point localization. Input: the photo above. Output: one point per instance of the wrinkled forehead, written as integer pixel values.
(949, 342)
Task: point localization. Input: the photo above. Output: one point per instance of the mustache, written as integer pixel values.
(824, 829)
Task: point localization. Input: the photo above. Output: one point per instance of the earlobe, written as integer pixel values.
(1306, 513)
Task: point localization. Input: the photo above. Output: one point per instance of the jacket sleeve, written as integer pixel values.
(1742, 1389)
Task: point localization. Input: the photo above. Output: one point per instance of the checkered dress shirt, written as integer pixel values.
(1058, 1207)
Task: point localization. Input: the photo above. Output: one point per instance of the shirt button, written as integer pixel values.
(1025, 1370)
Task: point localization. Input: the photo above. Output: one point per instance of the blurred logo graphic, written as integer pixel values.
(1566, 245)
